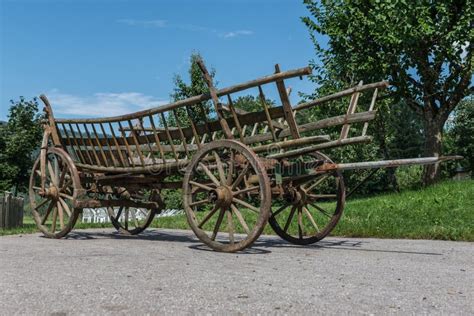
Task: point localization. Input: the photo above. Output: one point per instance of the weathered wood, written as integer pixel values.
(51, 120)
(215, 100)
(327, 145)
(287, 109)
(371, 107)
(341, 94)
(291, 143)
(350, 110)
(11, 211)
(267, 113)
(199, 98)
(387, 163)
(235, 117)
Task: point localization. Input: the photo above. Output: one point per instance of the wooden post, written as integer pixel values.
(371, 108)
(7, 209)
(287, 109)
(215, 100)
(350, 110)
(51, 121)
(2, 211)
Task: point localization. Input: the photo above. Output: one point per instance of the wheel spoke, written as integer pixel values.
(52, 174)
(55, 217)
(240, 218)
(300, 223)
(230, 226)
(240, 177)
(245, 190)
(208, 216)
(127, 212)
(63, 175)
(321, 210)
(311, 219)
(201, 186)
(67, 196)
(66, 184)
(311, 187)
(290, 218)
(281, 209)
(117, 217)
(247, 205)
(322, 196)
(41, 204)
(48, 211)
(231, 168)
(66, 207)
(61, 215)
(218, 224)
(196, 203)
(209, 174)
(220, 169)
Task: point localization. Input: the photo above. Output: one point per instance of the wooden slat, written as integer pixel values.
(215, 100)
(157, 139)
(350, 110)
(170, 139)
(107, 139)
(371, 108)
(136, 143)
(267, 113)
(101, 150)
(119, 151)
(235, 117)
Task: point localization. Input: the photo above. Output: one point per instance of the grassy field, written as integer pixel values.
(444, 211)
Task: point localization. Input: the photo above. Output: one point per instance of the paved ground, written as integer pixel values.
(99, 272)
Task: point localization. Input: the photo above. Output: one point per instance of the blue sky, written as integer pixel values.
(101, 58)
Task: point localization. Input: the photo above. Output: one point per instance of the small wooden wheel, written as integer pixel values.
(214, 189)
(132, 220)
(53, 193)
(308, 212)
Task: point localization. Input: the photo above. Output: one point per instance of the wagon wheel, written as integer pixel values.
(224, 212)
(53, 205)
(310, 211)
(132, 220)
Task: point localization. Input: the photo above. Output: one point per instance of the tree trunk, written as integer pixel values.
(432, 148)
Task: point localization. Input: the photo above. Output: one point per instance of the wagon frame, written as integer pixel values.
(229, 162)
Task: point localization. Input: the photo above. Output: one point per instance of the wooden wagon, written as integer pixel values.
(238, 169)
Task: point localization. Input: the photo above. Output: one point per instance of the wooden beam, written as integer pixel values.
(287, 109)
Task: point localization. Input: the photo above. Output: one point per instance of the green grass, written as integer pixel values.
(443, 211)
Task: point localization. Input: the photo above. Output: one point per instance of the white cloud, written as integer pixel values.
(237, 33)
(101, 104)
(149, 23)
(185, 27)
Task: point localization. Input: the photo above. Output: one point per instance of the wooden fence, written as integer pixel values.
(11, 211)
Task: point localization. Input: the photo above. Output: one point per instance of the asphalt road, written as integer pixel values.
(166, 271)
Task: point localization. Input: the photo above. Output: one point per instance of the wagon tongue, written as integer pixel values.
(385, 163)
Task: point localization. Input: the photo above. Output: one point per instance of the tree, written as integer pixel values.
(19, 138)
(196, 86)
(423, 47)
(462, 132)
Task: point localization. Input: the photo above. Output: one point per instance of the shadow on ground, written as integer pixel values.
(262, 246)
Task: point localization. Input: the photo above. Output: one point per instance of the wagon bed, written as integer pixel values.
(222, 156)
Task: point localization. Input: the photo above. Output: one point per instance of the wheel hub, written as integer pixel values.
(222, 196)
(296, 197)
(52, 192)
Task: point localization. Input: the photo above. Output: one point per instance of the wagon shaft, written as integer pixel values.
(385, 163)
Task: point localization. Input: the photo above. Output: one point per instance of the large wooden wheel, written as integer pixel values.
(54, 189)
(132, 220)
(309, 211)
(227, 195)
